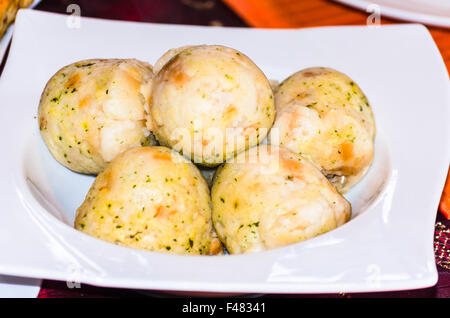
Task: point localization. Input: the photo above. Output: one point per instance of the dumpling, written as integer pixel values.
(211, 102)
(151, 198)
(92, 110)
(269, 197)
(323, 115)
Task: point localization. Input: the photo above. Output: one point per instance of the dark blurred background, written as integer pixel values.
(199, 12)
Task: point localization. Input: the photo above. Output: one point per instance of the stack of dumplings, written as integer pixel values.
(202, 154)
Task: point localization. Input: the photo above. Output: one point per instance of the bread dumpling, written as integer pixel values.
(269, 197)
(92, 110)
(210, 102)
(151, 198)
(323, 115)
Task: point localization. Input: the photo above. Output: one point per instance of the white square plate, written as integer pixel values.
(388, 244)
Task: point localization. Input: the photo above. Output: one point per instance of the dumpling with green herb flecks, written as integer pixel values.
(323, 115)
(151, 198)
(92, 110)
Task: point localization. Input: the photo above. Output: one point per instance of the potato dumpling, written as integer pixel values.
(92, 110)
(323, 115)
(270, 197)
(151, 198)
(210, 102)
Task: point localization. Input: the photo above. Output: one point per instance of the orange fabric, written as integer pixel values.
(444, 206)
